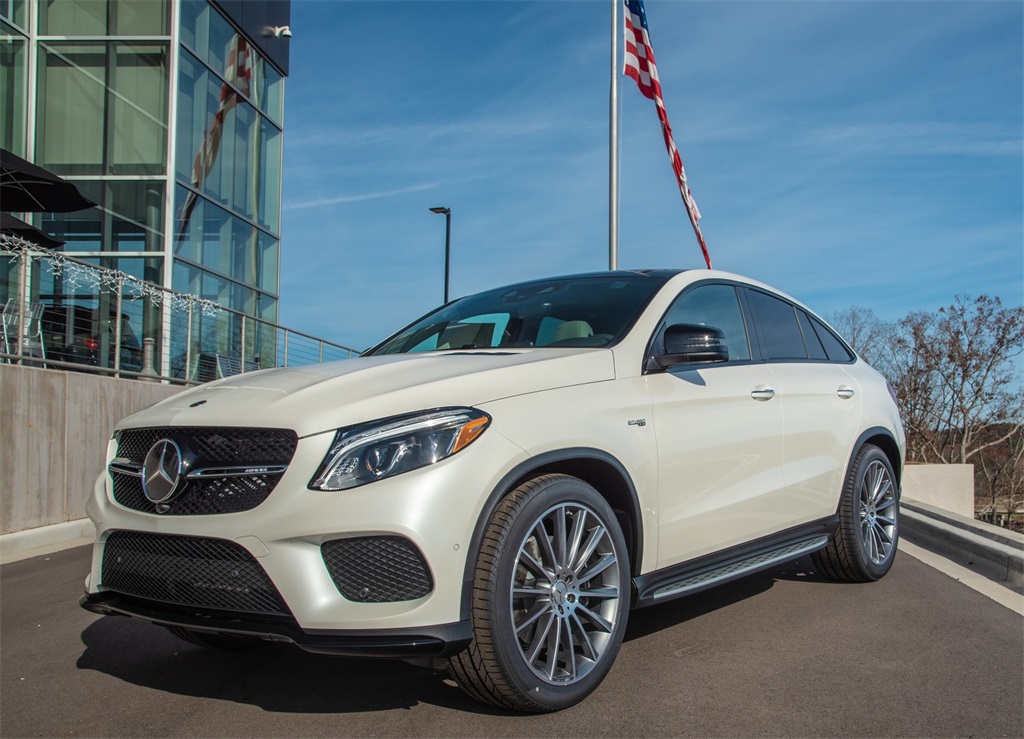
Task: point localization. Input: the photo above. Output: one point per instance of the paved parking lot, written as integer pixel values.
(778, 654)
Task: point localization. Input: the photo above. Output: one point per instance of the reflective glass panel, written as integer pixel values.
(268, 308)
(136, 209)
(104, 17)
(128, 217)
(269, 262)
(219, 47)
(193, 82)
(71, 107)
(270, 177)
(139, 17)
(189, 221)
(76, 98)
(13, 58)
(194, 16)
(244, 256)
(82, 230)
(138, 102)
(73, 17)
(269, 90)
(15, 11)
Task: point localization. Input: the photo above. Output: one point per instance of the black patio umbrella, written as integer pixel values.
(25, 187)
(17, 227)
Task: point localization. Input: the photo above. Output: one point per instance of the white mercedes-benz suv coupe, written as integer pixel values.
(498, 484)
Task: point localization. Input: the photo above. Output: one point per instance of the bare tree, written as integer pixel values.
(953, 372)
(864, 330)
(1001, 469)
(977, 394)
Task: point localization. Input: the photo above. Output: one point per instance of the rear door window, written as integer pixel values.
(780, 331)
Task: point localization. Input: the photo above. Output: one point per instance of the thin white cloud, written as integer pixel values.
(921, 138)
(320, 138)
(319, 202)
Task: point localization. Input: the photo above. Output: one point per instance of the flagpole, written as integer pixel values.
(613, 145)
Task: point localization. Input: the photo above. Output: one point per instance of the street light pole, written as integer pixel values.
(447, 212)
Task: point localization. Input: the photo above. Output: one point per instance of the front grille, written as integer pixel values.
(213, 447)
(188, 571)
(215, 444)
(377, 569)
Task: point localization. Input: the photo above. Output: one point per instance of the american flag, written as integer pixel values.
(639, 59)
(238, 74)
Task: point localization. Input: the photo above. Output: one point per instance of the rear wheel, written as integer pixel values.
(864, 547)
(550, 598)
(226, 642)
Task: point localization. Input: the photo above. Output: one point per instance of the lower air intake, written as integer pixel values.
(377, 569)
(188, 571)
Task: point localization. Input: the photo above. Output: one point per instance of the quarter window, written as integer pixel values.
(836, 350)
(814, 348)
(779, 328)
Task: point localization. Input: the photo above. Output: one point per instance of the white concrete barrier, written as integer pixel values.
(54, 429)
(946, 486)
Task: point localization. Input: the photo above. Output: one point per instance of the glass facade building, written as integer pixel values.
(169, 115)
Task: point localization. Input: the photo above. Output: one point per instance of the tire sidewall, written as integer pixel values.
(551, 493)
(868, 455)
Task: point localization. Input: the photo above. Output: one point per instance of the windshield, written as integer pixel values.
(583, 311)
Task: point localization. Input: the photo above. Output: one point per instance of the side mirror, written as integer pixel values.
(688, 343)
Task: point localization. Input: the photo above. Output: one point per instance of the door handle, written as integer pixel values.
(762, 393)
(845, 392)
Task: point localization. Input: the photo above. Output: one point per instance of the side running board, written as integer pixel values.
(658, 587)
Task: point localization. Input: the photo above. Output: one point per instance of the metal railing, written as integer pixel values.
(68, 313)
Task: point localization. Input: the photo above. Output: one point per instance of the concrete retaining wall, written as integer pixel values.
(54, 429)
(946, 486)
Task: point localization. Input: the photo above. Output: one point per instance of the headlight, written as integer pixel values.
(362, 454)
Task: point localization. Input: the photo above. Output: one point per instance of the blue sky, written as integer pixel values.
(849, 153)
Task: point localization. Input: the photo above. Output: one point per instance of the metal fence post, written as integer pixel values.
(188, 344)
(241, 359)
(285, 348)
(23, 301)
(119, 302)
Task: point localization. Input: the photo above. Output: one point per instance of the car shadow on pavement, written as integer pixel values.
(285, 679)
(656, 618)
(275, 677)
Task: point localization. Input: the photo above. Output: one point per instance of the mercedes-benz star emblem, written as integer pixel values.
(162, 471)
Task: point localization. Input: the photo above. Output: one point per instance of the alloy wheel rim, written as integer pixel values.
(565, 594)
(877, 512)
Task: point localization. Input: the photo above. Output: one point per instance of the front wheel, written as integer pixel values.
(864, 547)
(550, 598)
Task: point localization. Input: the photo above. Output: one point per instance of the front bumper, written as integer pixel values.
(410, 643)
(286, 540)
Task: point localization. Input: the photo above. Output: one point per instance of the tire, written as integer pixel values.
(864, 547)
(224, 642)
(550, 597)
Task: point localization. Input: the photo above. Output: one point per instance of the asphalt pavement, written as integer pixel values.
(784, 653)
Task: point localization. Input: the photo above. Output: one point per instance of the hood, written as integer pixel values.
(324, 397)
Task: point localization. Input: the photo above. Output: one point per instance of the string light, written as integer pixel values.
(79, 276)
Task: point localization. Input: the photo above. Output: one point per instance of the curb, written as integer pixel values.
(45, 540)
(991, 551)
